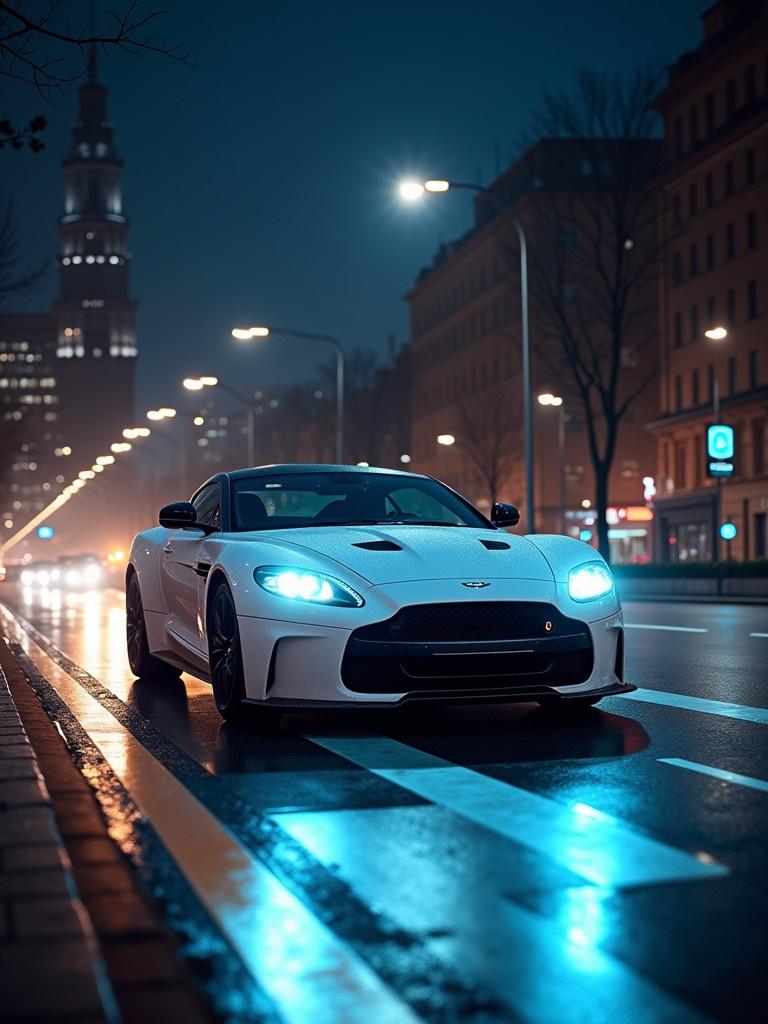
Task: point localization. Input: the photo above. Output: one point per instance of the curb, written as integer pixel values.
(136, 955)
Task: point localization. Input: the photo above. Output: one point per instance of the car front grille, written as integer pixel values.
(488, 645)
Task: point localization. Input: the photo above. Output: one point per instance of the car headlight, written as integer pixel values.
(72, 578)
(300, 585)
(27, 577)
(589, 581)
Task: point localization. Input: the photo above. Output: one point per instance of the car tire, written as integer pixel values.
(143, 664)
(225, 654)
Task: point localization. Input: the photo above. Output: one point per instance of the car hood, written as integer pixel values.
(396, 554)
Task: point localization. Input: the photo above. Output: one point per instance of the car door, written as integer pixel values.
(183, 574)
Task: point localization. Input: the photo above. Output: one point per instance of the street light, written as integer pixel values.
(198, 383)
(413, 190)
(718, 333)
(131, 433)
(120, 446)
(163, 413)
(249, 333)
(446, 439)
(556, 401)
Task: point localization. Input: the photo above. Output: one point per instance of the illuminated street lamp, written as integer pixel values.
(446, 439)
(718, 333)
(106, 460)
(198, 383)
(249, 333)
(164, 413)
(555, 401)
(413, 190)
(119, 447)
(86, 474)
(131, 433)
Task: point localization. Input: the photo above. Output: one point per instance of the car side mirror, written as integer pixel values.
(178, 515)
(503, 514)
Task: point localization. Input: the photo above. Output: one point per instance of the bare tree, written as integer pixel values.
(487, 436)
(597, 256)
(42, 45)
(15, 279)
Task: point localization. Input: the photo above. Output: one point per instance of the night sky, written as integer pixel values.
(261, 182)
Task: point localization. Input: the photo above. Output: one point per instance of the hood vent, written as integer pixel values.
(378, 545)
(495, 545)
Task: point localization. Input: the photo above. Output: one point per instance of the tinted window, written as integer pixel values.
(290, 500)
(208, 506)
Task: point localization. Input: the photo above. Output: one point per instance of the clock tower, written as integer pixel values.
(95, 316)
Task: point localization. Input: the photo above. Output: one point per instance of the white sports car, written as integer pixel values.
(328, 586)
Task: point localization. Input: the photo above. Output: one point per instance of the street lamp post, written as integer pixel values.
(198, 383)
(414, 190)
(717, 334)
(559, 404)
(249, 333)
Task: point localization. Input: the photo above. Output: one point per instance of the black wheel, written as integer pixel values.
(143, 664)
(225, 654)
(572, 705)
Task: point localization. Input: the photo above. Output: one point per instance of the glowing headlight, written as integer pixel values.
(28, 577)
(589, 581)
(92, 574)
(43, 577)
(283, 581)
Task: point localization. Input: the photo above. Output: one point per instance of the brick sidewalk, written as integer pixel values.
(51, 967)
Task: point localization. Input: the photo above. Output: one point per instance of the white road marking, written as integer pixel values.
(717, 773)
(591, 844)
(308, 972)
(669, 629)
(701, 704)
(759, 634)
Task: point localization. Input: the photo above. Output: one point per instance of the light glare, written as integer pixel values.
(411, 190)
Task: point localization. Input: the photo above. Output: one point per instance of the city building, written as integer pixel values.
(714, 203)
(466, 401)
(67, 376)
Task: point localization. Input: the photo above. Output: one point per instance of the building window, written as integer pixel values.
(677, 135)
(693, 126)
(752, 230)
(753, 371)
(710, 312)
(693, 260)
(680, 467)
(730, 307)
(676, 211)
(710, 244)
(709, 190)
(695, 387)
(731, 375)
(678, 330)
(730, 241)
(752, 300)
(749, 84)
(761, 528)
(709, 112)
(693, 205)
(729, 178)
(750, 166)
(730, 97)
(711, 382)
(694, 323)
(758, 446)
(677, 268)
(678, 392)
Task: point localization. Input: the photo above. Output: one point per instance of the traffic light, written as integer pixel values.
(721, 449)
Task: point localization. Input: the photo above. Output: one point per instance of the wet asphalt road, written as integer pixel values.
(491, 863)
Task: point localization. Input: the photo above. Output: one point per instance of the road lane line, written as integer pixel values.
(593, 845)
(308, 973)
(717, 773)
(759, 634)
(670, 629)
(700, 704)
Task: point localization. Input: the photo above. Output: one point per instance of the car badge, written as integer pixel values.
(548, 626)
(474, 585)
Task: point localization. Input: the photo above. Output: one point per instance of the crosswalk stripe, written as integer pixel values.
(591, 844)
(308, 972)
(717, 773)
(701, 704)
(668, 629)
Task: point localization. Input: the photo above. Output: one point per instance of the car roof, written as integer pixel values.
(300, 467)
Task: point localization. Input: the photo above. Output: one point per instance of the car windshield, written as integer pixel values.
(291, 500)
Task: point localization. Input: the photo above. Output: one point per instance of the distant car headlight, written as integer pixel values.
(589, 581)
(300, 585)
(43, 577)
(28, 577)
(92, 574)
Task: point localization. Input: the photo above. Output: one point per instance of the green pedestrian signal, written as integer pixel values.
(721, 449)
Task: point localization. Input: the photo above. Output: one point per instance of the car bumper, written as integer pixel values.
(308, 665)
